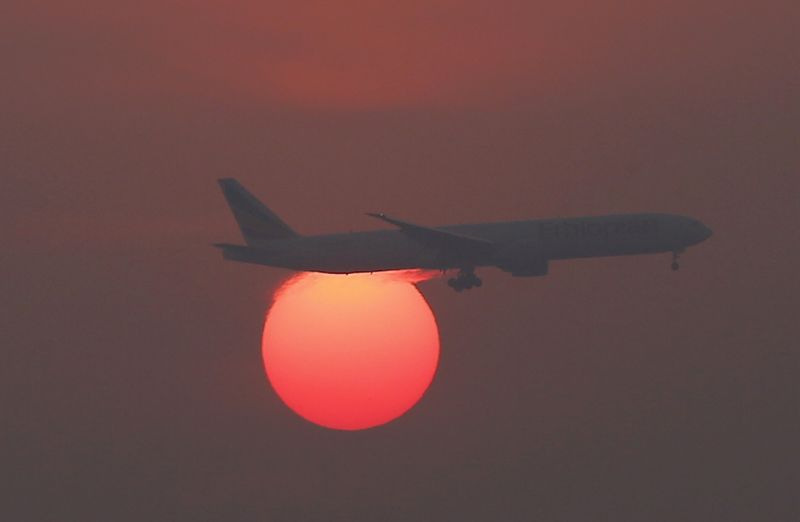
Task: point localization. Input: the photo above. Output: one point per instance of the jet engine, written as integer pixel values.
(522, 260)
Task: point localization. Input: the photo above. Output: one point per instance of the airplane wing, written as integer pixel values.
(440, 239)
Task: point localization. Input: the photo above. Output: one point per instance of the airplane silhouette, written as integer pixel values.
(522, 248)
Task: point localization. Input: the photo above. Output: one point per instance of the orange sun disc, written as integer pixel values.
(350, 351)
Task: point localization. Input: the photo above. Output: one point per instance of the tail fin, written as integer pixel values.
(256, 221)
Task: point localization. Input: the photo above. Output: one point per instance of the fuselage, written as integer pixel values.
(516, 245)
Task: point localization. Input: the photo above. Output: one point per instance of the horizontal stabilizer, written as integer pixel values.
(244, 254)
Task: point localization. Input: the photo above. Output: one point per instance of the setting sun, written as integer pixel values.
(350, 351)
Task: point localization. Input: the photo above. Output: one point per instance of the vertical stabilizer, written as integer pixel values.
(257, 223)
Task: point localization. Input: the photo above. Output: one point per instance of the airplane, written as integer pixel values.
(522, 248)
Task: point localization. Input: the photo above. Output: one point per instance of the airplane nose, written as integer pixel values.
(696, 232)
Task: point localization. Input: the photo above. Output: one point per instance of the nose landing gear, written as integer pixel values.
(465, 280)
(675, 266)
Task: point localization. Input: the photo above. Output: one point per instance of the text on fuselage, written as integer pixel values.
(627, 228)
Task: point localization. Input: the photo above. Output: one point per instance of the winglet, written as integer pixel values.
(384, 217)
(396, 222)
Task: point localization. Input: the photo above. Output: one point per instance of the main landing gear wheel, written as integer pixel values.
(465, 280)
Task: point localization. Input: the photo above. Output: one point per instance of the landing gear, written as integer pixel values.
(465, 280)
(675, 266)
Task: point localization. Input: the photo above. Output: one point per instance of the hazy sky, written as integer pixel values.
(130, 370)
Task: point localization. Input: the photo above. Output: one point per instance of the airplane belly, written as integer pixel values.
(346, 257)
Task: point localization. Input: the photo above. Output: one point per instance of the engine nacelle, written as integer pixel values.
(522, 260)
